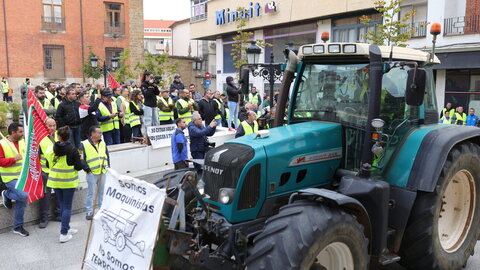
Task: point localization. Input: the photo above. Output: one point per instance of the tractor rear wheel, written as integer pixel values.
(307, 235)
(443, 227)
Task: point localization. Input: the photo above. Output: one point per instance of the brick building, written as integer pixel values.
(46, 40)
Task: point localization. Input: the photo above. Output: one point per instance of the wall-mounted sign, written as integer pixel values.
(227, 16)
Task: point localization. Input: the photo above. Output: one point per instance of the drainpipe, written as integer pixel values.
(6, 37)
(81, 38)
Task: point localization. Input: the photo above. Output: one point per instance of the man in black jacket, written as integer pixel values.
(208, 108)
(68, 115)
(177, 84)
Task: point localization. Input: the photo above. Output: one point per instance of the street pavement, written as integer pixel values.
(41, 250)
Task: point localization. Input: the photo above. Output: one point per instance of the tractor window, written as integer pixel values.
(335, 93)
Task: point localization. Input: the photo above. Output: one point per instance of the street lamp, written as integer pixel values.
(253, 53)
(104, 68)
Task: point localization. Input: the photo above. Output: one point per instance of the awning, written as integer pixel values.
(458, 60)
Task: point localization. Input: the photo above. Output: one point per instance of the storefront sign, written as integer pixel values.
(227, 16)
(125, 227)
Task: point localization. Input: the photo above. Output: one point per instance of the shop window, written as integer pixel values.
(279, 38)
(462, 88)
(53, 18)
(114, 22)
(351, 30)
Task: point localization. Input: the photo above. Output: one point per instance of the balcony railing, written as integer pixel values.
(199, 12)
(462, 25)
(53, 23)
(114, 29)
(420, 29)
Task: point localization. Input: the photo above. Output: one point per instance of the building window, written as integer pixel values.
(114, 21)
(54, 61)
(199, 10)
(110, 52)
(53, 18)
(419, 20)
(279, 38)
(351, 30)
(228, 62)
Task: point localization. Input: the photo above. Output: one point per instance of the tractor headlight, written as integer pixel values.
(201, 187)
(226, 195)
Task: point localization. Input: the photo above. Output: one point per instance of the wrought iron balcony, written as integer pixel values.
(420, 29)
(114, 29)
(53, 23)
(199, 12)
(462, 25)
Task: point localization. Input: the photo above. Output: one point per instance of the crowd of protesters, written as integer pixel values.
(456, 116)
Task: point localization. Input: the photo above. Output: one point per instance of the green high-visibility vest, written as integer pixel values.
(61, 174)
(96, 158)
(111, 123)
(248, 129)
(165, 116)
(188, 115)
(13, 172)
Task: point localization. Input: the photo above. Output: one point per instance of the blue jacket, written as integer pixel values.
(179, 146)
(198, 136)
(472, 120)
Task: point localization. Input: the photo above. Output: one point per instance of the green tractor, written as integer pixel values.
(361, 175)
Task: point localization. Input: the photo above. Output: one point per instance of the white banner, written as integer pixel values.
(161, 136)
(125, 227)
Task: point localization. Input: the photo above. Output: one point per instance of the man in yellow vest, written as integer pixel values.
(95, 153)
(221, 108)
(12, 151)
(50, 90)
(5, 87)
(61, 93)
(185, 106)
(43, 100)
(165, 108)
(248, 126)
(45, 146)
(122, 98)
(459, 118)
(107, 115)
(254, 99)
(446, 119)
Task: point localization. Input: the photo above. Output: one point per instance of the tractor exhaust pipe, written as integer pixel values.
(373, 107)
(288, 76)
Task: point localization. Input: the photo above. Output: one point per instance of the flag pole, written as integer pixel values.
(93, 214)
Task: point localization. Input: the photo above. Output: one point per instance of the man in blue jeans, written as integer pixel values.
(95, 153)
(12, 151)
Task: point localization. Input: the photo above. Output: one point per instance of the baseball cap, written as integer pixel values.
(107, 93)
(177, 76)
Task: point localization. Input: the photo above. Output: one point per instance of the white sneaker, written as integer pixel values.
(72, 231)
(65, 237)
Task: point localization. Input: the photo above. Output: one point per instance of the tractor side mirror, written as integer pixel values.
(244, 80)
(415, 86)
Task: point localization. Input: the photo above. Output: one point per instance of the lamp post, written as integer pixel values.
(270, 72)
(104, 68)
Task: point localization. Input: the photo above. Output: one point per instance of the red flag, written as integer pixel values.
(33, 101)
(30, 179)
(113, 83)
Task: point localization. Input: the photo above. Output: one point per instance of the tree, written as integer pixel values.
(394, 30)
(124, 71)
(87, 68)
(242, 39)
(159, 65)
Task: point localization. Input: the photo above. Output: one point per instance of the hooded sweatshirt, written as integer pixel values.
(232, 90)
(73, 157)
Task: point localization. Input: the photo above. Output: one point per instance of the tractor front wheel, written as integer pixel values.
(307, 235)
(443, 227)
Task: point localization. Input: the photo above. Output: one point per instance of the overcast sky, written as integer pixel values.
(166, 9)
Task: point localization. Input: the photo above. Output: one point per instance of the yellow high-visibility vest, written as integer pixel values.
(45, 144)
(253, 98)
(219, 105)
(188, 115)
(460, 117)
(56, 102)
(49, 95)
(46, 103)
(61, 174)
(96, 157)
(13, 172)
(127, 114)
(248, 129)
(112, 123)
(134, 119)
(165, 116)
(4, 86)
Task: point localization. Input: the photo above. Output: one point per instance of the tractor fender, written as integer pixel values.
(433, 152)
(349, 204)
